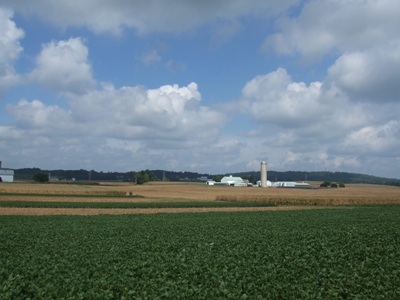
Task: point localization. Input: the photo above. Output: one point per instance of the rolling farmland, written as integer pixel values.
(194, 192)
(332, 252)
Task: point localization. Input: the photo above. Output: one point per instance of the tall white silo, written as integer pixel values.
(263, 174)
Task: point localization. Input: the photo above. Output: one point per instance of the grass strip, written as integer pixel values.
(305, 201)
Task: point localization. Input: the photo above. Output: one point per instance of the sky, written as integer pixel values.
(204, 86)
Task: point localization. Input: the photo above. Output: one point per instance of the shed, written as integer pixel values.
(285, 184)
(291, 184)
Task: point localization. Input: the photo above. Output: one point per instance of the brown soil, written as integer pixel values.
(117, 211)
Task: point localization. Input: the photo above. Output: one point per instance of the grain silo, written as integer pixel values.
(263, 174)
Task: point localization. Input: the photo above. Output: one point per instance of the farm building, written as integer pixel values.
(290, 184)
(6, 175)
(233, 181)
(268, 183)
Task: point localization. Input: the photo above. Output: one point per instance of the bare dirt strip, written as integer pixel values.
(124, 211)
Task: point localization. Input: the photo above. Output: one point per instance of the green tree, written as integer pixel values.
(217, 178)
(144, 176)
(326, 183)
(41, 177)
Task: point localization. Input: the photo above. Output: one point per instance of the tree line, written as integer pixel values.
(162, 175)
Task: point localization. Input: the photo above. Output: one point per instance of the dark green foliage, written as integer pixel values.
(217, 178)
(320, 254)
(145, 176)
(325, 184)
(178, 176)
(80, 175)
(251, 178)
(41, 177)
(330, 184)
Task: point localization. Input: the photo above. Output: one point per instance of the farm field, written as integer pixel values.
(192, 241)
(85, 199)
(306, 254)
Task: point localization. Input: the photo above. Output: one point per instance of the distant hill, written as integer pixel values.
(253, 176)
(320, 176)
(27, 173)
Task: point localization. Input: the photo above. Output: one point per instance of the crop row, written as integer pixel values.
(320, 254)
(323, 201)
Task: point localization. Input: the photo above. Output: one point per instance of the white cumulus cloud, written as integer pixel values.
(384, 138)
(369, 75)
(318, 125)
(142, 124)
(64, 66)
(336, 25)
(39, 117)
(274, 98)
(10, 49)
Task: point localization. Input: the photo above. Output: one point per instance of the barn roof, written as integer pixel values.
(6, 172)
(231, 178)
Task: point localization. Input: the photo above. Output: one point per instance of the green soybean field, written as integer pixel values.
(333, 253)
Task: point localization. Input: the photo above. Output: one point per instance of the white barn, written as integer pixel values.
(234, 181)
(6, 175)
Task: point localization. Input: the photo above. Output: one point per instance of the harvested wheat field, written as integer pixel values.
(169, 197)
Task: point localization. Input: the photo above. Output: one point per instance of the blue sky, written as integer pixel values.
(204, 86)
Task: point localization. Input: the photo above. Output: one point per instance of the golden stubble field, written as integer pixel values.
(184, 192)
